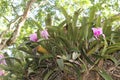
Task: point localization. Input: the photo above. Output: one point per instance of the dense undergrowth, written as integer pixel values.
(70, 51)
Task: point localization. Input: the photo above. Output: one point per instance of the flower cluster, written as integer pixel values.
(97, 32)
(44, 34)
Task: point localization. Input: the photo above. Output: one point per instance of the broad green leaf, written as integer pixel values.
(113, 48)
(105, 75)
(75, 17)
(60, 63)
(92, 14)
(98, 22)
(93, 50)
(48, 20)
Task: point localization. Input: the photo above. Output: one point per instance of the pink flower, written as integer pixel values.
(2, 72)
(97, 32)
(33, 37)
(2, 62)
(44, 34)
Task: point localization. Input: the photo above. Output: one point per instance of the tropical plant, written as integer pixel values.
(77, 48)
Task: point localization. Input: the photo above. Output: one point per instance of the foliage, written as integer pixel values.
(71, 45)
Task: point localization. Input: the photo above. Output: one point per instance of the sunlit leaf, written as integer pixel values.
(75, 55)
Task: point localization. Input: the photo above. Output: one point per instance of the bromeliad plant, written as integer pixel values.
(69, 51)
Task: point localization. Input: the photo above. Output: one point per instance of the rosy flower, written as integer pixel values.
(44, 34)
(2, 62)
(33, 37)
(2, 72)
(97, 32)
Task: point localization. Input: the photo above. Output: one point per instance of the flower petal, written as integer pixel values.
(44, 34)
(97, 32)
(33, 37)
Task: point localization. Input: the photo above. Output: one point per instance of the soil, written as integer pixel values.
(108, 66)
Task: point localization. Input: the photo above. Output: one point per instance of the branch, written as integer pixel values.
(6, 19)
(10, 25)
(13, 22)
(16, 32)
(14, 9)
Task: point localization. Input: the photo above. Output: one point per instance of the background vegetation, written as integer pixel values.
(73, 52)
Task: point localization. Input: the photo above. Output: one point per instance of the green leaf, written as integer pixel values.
(113, 59)
(112, 49)
(93, 50)
(68, 17)
(86, 57)
(62, 24)
(46, 77)
(98, 23)
(37, 24)
(92, 14)
(48, 20)
(105, 75)
(75, 17)
(60, 63)
(45, 56)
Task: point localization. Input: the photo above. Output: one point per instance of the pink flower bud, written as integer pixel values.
(2, 72)
(44, 34)
(97, 32)
(33, 37)
(2, 62)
